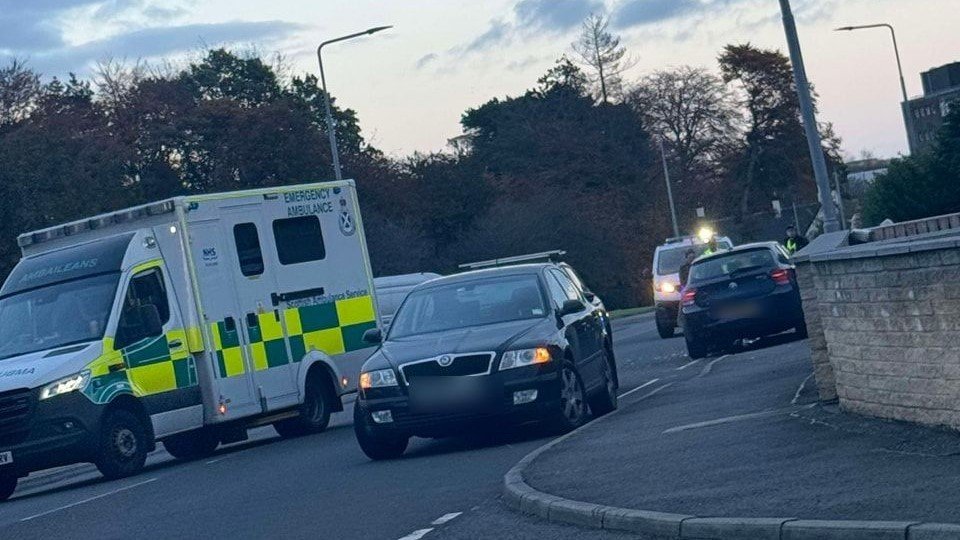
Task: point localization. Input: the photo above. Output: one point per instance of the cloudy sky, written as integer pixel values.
(411, 84)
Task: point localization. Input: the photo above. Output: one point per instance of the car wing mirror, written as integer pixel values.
(373, 335)
(570, 306)
(590, 296)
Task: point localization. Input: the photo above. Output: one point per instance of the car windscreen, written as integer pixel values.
(731, 263)
(56, 315)
(669, 260)
(466, 304)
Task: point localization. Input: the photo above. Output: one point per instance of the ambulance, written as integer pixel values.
(185, 321)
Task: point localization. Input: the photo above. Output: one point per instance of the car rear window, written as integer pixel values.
(724, 265)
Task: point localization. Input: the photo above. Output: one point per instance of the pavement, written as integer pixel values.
(733, 435)
(742, 436)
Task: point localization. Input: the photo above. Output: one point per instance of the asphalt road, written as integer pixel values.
(323, 486)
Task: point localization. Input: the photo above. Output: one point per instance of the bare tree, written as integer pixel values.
(114, 80)
(601, 52)
(19, 89)
(695, 114)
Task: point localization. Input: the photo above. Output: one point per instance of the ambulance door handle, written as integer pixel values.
(176, 344)
(252, 320)
(113, 368)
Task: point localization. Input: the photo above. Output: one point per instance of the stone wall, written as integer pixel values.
(884, 321)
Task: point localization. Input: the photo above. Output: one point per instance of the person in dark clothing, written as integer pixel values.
(690, 255)
(794, 242)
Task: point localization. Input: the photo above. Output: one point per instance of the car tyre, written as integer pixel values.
(314, 414)
(696, 348)
(123, 444)
(8, 484)
(606, 401)
(192, 445)
(666, 326)
(376, 448)
(571, 412)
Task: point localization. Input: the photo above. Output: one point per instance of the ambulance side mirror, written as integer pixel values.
(373, 335)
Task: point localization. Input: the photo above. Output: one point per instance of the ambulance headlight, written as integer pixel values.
(66, 385)
(378, 379)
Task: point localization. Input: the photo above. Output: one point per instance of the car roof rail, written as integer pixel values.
(546, 256)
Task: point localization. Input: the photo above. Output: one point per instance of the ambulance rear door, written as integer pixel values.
(324, 286)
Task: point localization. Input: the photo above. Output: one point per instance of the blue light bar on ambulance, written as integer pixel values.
(96, 222)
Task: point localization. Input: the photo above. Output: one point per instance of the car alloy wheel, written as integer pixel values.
(571, 396)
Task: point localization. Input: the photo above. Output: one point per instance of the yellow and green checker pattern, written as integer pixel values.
(149, 366)
(333, 328)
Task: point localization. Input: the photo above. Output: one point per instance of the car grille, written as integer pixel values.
(14, 416)
(460, 366)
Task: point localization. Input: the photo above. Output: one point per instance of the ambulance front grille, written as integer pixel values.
(14, 416)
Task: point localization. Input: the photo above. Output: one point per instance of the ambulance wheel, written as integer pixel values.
(195, 444)
(8, 483)
(314, 412)
(123, 444)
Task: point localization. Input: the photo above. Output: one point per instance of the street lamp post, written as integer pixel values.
(666, 177)
(905, 106)
(331, 131)
(830, 223)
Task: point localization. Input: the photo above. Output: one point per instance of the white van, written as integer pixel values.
(185, 321)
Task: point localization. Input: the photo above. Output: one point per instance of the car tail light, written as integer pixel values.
(689, 297)
(780, 276)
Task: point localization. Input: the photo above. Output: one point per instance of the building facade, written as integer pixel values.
(941, 89)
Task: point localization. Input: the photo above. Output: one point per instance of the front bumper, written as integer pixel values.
(496, 412)
(59, 431)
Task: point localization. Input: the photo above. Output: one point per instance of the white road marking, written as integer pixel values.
(709, 367)
(730, 419)
(641, 387)
(655, 391)
(84, 501)
(445, 518)
(688, 364)
(796, 397)
(416, 535)
(221, 458)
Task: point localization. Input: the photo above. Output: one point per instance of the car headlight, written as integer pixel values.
(66, 385)
(524, 357)
(668, 287)
(378, 379)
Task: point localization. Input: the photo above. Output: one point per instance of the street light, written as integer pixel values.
(905, 109)
(666, 177)
(326, 96)
(830, 223)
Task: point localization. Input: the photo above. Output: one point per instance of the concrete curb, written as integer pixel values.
(519, 495)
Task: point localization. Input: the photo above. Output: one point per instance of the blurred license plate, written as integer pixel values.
(6, 458)
(740, 311)
(429, 394)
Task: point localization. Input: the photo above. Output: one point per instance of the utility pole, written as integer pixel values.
(666, 177)
(830, 223)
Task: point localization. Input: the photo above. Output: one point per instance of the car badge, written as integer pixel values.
(445, 361)
(734, 285)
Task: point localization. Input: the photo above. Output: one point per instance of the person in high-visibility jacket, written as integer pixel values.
(794, 242)
(712, 246)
